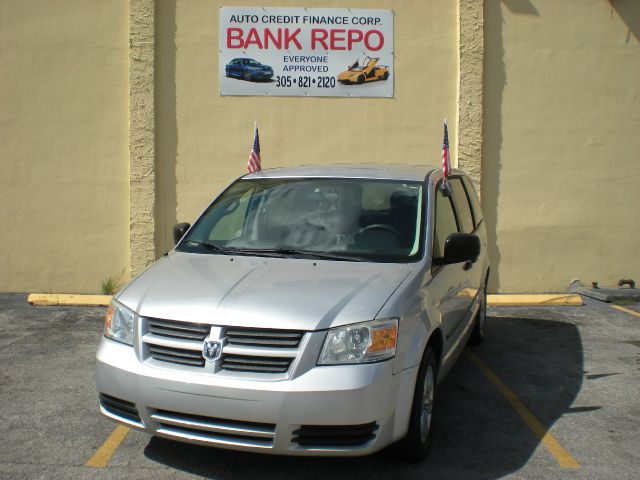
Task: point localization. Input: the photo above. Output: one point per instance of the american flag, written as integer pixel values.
(255, 163)
(446, 164)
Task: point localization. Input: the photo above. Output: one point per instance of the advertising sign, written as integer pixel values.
(319, 52)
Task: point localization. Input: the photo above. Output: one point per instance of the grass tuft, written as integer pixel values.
(110, 285)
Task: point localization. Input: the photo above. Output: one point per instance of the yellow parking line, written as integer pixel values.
(108, 448)
(625, 310)
(564, 459)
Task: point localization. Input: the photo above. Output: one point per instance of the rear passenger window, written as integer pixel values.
(475, 201)
(462, 205)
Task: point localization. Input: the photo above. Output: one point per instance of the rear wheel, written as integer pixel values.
(415, 445)
(385, 75)
(478, 333)
(360, 79)
(247, 76)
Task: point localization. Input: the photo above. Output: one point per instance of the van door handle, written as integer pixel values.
(468, 265)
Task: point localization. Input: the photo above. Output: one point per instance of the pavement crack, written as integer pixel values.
(12, 343)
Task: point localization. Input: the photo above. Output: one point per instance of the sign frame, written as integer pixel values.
(308, 52)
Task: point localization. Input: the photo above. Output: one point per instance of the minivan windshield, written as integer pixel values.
(336, 218)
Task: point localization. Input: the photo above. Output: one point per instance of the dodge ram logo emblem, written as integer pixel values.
(211, 350)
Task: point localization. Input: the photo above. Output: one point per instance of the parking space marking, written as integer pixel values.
(102, 456)
(625, 310)
(564, 459)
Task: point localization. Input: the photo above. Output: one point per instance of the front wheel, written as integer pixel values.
(415, 445)
(480, 323)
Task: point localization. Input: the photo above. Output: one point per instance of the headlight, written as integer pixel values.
(360, 343)
(118, 323)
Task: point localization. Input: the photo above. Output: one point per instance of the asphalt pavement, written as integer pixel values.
(552, 393)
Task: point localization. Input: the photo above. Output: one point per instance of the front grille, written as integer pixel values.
(215, 430)
(255, 337)
(119, 407)
(176, 342)
(246, 363)
(178, 330)
(180, 356)
(248, 350)
(334, 436)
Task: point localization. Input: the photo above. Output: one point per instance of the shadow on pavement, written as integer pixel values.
(478, 434)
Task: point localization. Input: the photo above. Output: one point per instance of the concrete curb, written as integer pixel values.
(539, 300)
(554, 300)
(608, 294)
(62, 299)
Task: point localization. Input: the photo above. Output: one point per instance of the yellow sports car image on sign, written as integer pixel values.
(364, 69)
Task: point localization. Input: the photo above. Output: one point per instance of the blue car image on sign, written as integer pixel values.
(248, 69)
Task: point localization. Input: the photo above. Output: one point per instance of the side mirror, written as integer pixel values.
(458, 248)
(179, 230)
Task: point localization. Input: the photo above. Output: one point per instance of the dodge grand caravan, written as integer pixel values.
(307, 311)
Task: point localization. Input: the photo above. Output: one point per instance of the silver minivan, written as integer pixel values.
(307, 311)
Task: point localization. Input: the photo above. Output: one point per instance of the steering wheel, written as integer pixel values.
(384, 228)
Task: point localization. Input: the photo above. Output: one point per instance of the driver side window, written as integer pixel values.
(445, 223)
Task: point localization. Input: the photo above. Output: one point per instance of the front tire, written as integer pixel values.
(480, 322)
(416, 443)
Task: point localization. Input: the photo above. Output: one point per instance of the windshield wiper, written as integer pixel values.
(212, 246)
(285, 252)
(236, 251)
(276, 252)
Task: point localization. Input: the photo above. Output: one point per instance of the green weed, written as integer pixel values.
(110, 285)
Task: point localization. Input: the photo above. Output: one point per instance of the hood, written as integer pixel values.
(348, 74)
(281, 293)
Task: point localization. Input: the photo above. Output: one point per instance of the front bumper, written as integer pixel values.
(261, 75)
(331, 410)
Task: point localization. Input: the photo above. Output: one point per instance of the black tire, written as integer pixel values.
(385, 76)
(360, 79)
(247, 76)
(416, 443)
(480, 322)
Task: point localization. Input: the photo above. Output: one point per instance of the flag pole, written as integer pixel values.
(254, 164)
(446, 162)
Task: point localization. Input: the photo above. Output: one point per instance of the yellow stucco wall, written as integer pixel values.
(214, 134)
(63, 144)
(561, 151)
(559, 120)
